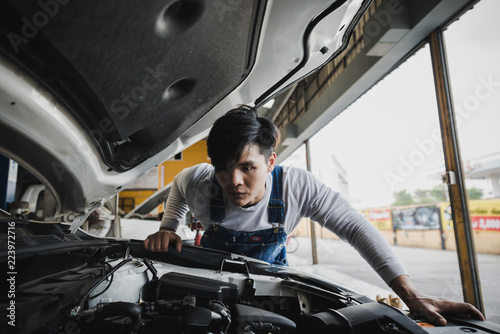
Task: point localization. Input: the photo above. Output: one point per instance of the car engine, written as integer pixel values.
(77, 283)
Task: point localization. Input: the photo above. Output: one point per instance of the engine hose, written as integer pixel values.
(133, 311)
(76, 310)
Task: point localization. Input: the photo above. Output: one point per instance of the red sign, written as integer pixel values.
(488, 223)
(379, 214)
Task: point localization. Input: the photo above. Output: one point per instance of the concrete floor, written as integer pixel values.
(434, 272)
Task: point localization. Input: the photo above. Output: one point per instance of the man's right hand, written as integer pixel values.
(159, 241)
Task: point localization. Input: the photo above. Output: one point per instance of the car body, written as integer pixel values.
(93, 95)
(106, 91)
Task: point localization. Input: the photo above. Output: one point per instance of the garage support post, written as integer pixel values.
(454, 176)
(114, 204)
(314, 245)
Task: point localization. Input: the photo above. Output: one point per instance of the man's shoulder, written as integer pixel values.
(203, 167)
(199, 168)
(291, 171)
(196, 173)
(299, 179)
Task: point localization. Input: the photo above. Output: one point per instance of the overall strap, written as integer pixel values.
(276, 206)
(217, 205)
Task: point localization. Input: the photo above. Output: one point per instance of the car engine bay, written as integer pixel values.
(76, 283)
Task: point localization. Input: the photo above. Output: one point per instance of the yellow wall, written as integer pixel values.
(419, 238)
(191, 156)
(139, 196)
(485, 220)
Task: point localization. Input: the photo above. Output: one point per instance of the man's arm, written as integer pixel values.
(175, 210)
(339, 217)
(429, 307)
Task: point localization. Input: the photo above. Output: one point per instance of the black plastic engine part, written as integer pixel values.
(183, 316)
(225, 313)
(182, 284)
(249, 319)
(378, 318)
(200, 317)
(370, 318)
(173, 306)
(114, 317)
(466, 325)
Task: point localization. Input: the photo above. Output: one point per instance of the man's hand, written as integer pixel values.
(432, 308)
(159, 241)
(429, 307)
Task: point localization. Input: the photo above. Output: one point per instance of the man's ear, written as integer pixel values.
(271, 162)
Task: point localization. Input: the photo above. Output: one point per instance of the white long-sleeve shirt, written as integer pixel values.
(304, 196)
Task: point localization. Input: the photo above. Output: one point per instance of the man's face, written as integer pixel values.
(244, 181)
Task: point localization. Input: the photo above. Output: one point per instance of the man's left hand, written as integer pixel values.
(433, 308)
(429, 307)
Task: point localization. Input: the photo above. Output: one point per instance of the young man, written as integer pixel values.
(248, 205)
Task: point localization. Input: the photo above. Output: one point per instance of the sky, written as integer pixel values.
(389, 139)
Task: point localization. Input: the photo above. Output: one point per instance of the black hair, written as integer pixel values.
(235, 130)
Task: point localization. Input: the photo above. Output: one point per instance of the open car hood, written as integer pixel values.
(95, 94)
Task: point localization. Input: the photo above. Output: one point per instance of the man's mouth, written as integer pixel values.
(237, 194)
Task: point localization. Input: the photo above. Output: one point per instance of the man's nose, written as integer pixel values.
(236, 178)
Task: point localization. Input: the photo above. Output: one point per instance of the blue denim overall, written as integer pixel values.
(267, 245)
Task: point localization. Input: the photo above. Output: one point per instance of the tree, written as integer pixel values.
(439, 193)
(475, 193)
(403, 198)
(422, 196)
(429, 196)
(426, 196)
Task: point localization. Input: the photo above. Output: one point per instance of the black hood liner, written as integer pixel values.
(135, 74)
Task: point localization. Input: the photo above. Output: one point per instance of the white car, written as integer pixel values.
(93, 95)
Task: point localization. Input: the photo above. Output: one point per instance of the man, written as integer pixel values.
(248, 205)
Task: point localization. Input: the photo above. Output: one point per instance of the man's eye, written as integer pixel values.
(247, 168)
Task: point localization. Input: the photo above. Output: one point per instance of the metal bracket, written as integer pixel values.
(82, 216)
(304, 303)
(235, 266)
(248, 290)
(449, 178)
